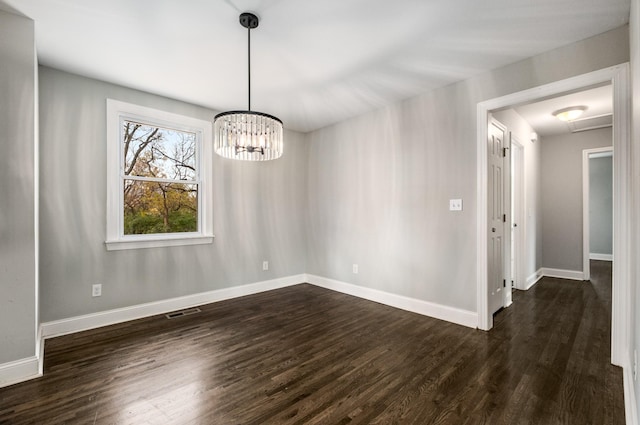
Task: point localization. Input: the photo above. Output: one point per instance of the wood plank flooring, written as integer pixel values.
(306, 355)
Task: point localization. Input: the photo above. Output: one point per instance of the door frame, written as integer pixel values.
(586, 221)
(618, 76)
(518, 215)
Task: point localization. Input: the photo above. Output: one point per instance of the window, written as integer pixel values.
(158, 177)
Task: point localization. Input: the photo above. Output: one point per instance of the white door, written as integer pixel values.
(497, 214)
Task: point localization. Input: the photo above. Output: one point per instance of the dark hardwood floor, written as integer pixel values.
(306, 355)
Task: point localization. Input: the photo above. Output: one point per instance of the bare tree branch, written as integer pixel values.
(150, 138)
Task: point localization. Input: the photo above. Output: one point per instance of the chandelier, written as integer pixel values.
(248, 135)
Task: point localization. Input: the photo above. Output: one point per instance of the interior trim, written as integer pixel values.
(630, 409)
(26, 369)
(533, 279)
(600, 257)
(19, 371)
(562, 274)
(119, 315)
(425, 308)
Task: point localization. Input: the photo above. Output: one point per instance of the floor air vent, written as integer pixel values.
(181, 313)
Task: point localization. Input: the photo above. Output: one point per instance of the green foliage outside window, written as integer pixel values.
(160, 184)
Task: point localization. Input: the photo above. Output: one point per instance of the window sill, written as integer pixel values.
(120, 244)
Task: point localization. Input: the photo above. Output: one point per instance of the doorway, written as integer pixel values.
(618, 77)
(597, 207)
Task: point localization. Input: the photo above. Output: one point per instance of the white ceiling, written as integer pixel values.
(599, 101)
(313, 62)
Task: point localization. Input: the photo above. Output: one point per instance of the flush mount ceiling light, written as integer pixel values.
(570, 113)
(248, 135)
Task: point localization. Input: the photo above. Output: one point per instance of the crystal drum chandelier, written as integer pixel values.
(248, 135)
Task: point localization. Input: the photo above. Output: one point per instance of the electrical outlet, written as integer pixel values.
(355, 269)
(96, 290)
(265, 265)
(455, 204)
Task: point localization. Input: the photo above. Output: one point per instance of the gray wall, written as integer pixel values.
(257, 211)
(379, 184)
(561, 187)
(634, 344)
(601, 205)
(18, 309)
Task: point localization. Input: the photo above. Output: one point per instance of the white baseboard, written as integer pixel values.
(110, 317)
(549, 272)
(563, 274)
(40, 351)
(601, 257)
(533, 279)
(19, 371)
(31, 368)
(442, 312)
(630, 409)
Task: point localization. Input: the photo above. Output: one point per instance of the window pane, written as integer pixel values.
(151, 207)
(151, 151)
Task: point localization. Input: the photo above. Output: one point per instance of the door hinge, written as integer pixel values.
(504, 283)
(504, 218)
(504, 152)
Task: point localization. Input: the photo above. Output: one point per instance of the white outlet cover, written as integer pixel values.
(455, 204)
(265, 265)
(355, 269)
(96, 290)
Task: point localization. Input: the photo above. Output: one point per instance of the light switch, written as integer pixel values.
(455, 204)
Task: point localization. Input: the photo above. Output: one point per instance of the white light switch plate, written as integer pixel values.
(455, 204)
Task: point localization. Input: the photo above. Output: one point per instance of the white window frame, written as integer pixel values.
(117, 112)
